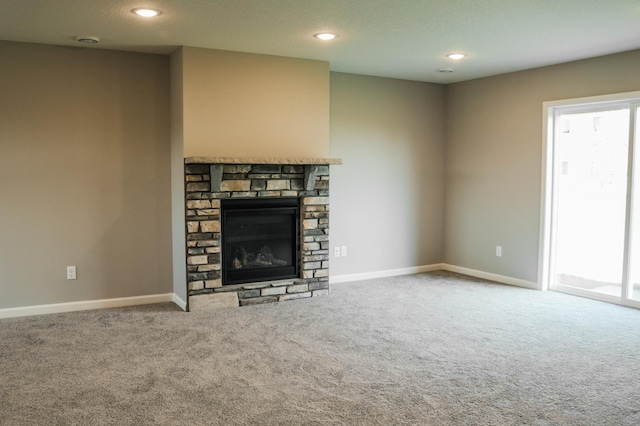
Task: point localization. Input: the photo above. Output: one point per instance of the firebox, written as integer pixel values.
(260, 239)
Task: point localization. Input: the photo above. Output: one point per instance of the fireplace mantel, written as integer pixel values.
(262, 160)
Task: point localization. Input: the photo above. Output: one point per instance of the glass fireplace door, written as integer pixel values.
(260, 240)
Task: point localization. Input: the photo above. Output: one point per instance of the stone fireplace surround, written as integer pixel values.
(210, 179)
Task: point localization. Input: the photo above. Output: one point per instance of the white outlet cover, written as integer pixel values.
(71, 273)
(336, 252)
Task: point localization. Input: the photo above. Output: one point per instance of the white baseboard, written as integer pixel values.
(383, 274)
(91, 304)
(435, 267)
(178, 301)
(172, 297)
(502, 279)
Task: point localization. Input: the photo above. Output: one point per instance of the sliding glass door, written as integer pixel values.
(633, 289)
(594, 247)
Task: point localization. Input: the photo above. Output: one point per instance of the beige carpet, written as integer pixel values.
(429, 349)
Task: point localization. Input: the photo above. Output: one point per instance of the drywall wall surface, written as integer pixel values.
(387, 197)
(178, 233)
(494, 152)
(248, 105)
(84, 174)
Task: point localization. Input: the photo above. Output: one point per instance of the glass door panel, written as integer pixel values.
(591, 161)
(634, 240)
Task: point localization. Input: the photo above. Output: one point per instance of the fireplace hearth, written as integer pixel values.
(257, 230)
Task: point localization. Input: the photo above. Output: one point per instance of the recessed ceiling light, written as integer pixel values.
(146, 13)
(445, 70)
(88, 39)
(456, 56)
(325, 36)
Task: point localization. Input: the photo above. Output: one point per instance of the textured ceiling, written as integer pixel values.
(393, 38)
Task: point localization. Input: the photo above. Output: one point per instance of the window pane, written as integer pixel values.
(634, 264)
(591, 173)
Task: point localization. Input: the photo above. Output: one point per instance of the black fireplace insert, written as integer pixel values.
(260, 239)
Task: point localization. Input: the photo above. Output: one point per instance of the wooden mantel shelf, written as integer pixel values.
(249, 160)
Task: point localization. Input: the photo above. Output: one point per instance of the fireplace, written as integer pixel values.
(260, 239)
(234, 259)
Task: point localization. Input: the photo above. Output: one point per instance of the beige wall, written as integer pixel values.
(247, 105)
(387, 198)
(84, 174)
(494, 150)
(86, 155)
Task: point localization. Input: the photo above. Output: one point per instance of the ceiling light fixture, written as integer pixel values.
(87, 39)
(456, 56)
(146, 13)
(325, 36)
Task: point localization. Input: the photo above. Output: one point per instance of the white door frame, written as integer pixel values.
(547, 186)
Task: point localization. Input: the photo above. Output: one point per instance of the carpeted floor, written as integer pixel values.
(428, 349)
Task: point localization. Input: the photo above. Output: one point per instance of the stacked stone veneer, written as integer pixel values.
(207, 184)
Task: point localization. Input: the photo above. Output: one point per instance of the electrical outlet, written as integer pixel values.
(343, 251)
(499, 251)
(71, 273)
(336, 252)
